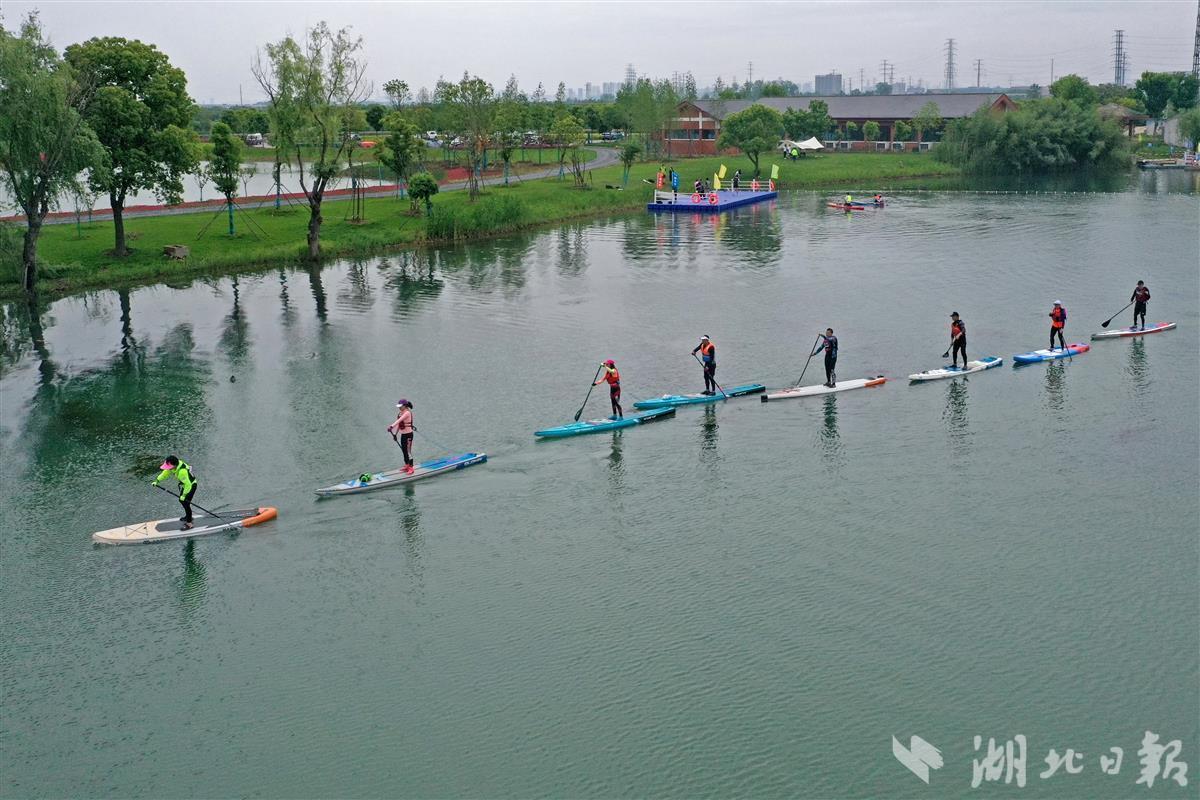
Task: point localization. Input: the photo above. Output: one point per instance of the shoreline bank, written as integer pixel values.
(77, 258)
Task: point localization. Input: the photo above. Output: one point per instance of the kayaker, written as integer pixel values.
(708, 360)
(182, 472)
(829, 344)
(613, 378)
(878, 199)
(1058, 321)
(849, 200)
(958, 340)
(1141, 296)
(401, 430)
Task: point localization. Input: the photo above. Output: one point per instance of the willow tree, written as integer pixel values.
(313, 90)
(226, 165)
(44, 142)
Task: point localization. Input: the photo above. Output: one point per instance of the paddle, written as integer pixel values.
(714, 380)
(1114, 316)
(197, 505)
(810, 355)
(579, 413)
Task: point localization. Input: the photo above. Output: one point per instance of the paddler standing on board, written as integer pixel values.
(829, 344)
(1058, 321)
(1141, 296)
(613, 378)
(708, 360)
(401, 430)
(182, 472)
(958, 340)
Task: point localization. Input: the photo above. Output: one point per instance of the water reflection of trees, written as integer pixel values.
(139, 401)
(410, 278)
(496, 266)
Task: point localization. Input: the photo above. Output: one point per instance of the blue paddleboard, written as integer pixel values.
(605, 424)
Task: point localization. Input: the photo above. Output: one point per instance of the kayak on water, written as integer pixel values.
(1049, 355)
(1123, 332)
(845, 207)
(395, 477)
(819, 389)
(987, 362)
(166, 529)
(668, 400)
(606, 423)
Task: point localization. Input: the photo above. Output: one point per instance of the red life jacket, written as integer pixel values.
(612, 376)
(1141, 294)
(1058, 317)
(957, 327)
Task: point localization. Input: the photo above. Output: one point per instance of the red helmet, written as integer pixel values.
(610, 363)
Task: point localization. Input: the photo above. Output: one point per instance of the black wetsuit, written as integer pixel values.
(959, 345)
(1141, 296)
(831, 354)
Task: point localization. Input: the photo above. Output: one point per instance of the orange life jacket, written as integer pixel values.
(1058, 317)
(612, 376)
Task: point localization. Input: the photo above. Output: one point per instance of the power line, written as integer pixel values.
(1120, 57)
(978, 71)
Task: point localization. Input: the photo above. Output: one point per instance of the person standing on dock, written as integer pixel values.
(958, 340)
(182, 472)
(829, 344)
(708, 360)
(613, 379)
(1058, 322)
(1141, 296)
(737, 178)
(402, 427)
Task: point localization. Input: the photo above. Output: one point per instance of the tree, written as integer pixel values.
(871, 130)
(225, 166)
(1154, 90)
(472, 103)
(1187, 85)
(629, 154)
(928, 118)
(246, 120)
(510, 124)
(1042, 136)
(883, 88)
(689, 86)
(421, 188)
(397, 93)
(402, 149)
(1075, 88)
(44, 142)
(753, 131)
(773, 89)
(1189, 126)
(851, 130)
(374, 116)
(567, 134)
(141, 113)
(800, 124)
(313, 88)
(902, 131)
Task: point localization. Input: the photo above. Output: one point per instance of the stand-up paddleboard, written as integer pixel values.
(606, 424)
(814, 391)
(166, 529)
(845, 207)
(987, 362)
(1121, 333)
(1049, 355)
(396, 477)
(669, 400)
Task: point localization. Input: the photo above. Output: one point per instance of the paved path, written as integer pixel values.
(605, 157)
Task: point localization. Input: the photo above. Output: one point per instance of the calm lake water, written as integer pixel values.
(746, 600)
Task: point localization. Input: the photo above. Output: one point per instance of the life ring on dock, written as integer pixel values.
(772, 184)
(713, 199)
(754, 184)
(696, 197)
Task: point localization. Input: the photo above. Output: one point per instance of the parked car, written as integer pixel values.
(431, 135)
(255, 140)
(612, 136)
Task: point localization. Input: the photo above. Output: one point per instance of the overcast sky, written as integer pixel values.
(214, 42)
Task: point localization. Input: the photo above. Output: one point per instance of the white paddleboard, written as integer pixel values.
(1121, 333)
(814, 391)
(163, 530)
(987, 362)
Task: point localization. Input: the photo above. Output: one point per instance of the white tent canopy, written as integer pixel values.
(811, 144)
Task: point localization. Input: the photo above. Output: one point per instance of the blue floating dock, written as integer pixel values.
(725, 199)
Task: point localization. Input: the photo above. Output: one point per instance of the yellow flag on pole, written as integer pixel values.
(716, 181)
(774, 172)
(722, 172)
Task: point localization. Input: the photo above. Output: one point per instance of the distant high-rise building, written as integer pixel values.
(807, 88)
(587, 90)
(610, 88)
(829, 84)
(630, 75)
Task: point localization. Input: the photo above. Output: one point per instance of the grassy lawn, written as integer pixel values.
(79, 260)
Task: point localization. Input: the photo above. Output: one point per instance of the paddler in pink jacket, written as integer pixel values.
(402, 427)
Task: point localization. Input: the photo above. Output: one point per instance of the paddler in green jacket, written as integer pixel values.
(182, 472)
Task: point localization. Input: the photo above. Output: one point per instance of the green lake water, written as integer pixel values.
(746, 600)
